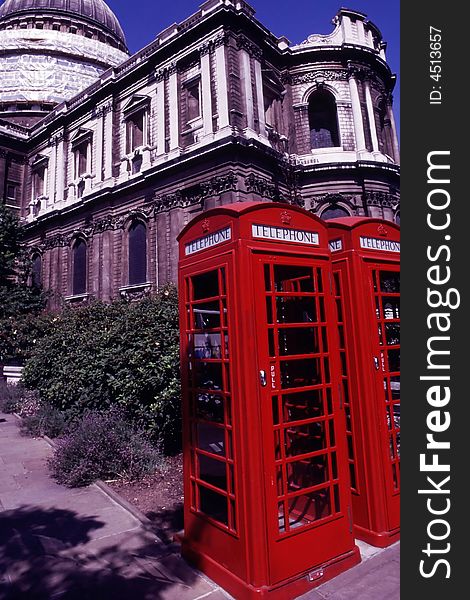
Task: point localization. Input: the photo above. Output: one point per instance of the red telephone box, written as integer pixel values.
(267, 492)
(366, 267)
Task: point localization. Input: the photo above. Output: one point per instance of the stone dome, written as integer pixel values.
(51, 50)
(97, 12)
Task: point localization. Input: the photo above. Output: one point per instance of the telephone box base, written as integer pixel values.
(379, 540)
(286, 590)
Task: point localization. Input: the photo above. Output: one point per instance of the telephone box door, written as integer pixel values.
(385, 282)
(305, 465)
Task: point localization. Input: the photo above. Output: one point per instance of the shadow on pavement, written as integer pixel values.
(167, 522)
(41, 558)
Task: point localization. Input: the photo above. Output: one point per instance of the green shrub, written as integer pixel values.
(45, 421)
(10, 397)
(20, 334)
(102, 446)
(122, 354)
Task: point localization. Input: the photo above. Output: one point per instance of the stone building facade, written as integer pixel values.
(215, 110)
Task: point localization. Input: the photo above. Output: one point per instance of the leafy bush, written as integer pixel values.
(30, 404)
(121, 354)
(20, 334)
(10, 397)
(18, 300)
(45, 421)
(103, 446)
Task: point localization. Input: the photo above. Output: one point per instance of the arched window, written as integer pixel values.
(323, 119)
(137, 253)
(79, 268)
(334, 212)
(36, 271)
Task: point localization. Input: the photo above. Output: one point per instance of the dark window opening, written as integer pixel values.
(193, 92)
(135, 131)
(334, 212)
(323, 121)
(79, 269)
(137, 254)
(36, 271)
(39, 177)
(12, 195)
(81, 159)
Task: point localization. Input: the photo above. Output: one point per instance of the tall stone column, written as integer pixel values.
(357, 115)
(60, 167)
(99, 146)
(206, 91)
(174, 108)
(161, 116)
(245, 67)
(371, 116)
(50, 185)
(222, 88)
(260, 98)
(108, 141)
(396, 149)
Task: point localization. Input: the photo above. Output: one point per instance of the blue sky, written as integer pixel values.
(143, 19)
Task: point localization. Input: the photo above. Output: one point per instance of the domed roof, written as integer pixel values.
(96, 11)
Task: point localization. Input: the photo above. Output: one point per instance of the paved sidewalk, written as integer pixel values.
(58, 543)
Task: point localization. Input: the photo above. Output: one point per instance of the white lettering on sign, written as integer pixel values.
(335, 245)
(376, 244)
(213, 239)
(283, 234)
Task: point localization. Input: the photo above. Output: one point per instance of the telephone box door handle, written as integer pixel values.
(376, 363)
(262, 378)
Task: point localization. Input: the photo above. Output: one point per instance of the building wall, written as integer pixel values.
(250, 141)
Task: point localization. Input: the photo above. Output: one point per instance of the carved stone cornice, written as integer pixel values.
(262, 186)
(332, 199)
(382, 199)
(243, 43)
(210, 45)
(165, 72)
(104, 109)
(325, 75)
(180, 199)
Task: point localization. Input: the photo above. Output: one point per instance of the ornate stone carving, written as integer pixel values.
(253, 50)
(165, 72)
(382, 199)
(326, 75)
(179, 199)
(332, 199)
(262, 186)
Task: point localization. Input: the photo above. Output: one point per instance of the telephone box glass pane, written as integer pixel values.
(213, 471)
(302, 406)
(214, 505)
(211, 438)
(305, 439)
(307, 473)
(206, 285)
(209, 380)
(296, 340)
(292, 309)
(293, 279)
(207, 315)
(388, 309)
(390, 282)
(210, 407)
(307, 508)
(300, 373)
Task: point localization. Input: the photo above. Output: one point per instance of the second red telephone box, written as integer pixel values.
(366, 267)
(267, 491)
